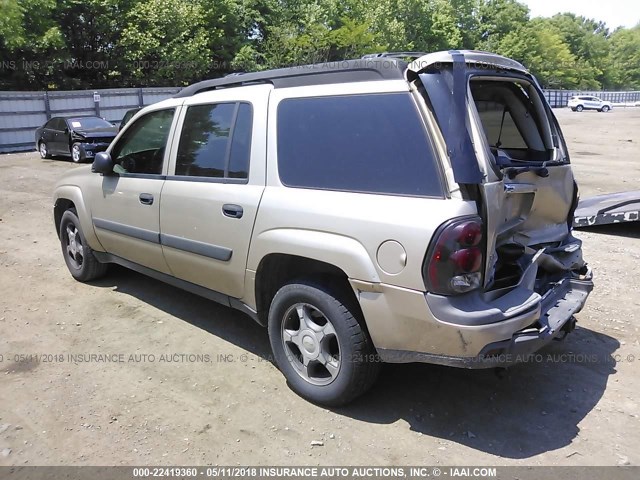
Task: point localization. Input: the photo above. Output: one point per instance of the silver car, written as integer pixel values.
(365, 211)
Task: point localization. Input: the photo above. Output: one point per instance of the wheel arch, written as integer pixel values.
(70, 196)
(277, 269)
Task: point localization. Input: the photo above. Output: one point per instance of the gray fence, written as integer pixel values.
(560, 98)
(22, 112)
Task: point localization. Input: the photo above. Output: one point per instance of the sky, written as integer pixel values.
(615, 13)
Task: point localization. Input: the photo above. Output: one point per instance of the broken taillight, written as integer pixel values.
(454, 260)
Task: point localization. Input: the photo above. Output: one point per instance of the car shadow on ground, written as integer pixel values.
(627, 229)
(523, 411)
(520, 412)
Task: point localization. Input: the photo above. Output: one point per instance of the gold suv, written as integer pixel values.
(365, 211)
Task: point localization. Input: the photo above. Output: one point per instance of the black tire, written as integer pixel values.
(579, 108)
(605, 109)
(573, 109)
(44, 150)
(356, 357)
(76, 153)
(84, 267)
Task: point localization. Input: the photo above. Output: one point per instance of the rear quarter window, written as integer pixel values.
(361, 143)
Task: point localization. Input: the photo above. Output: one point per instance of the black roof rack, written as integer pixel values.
(362, 70)
(401, 55)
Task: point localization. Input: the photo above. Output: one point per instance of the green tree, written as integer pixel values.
(541, 49)
(625, 58)
(31, 38)
(497, 19)
(588, 42)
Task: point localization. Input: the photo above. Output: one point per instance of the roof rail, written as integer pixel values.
(400, 55)
(318, 74)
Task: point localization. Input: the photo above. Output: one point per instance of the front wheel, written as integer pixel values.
(78, 255)
(76, 153)
(605, 109)
(319, 345)
(44, 150)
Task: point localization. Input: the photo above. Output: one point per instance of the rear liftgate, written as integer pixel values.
(526, 205)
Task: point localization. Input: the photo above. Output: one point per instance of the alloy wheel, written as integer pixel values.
(311, 344)
(75, 250)
(75, 153)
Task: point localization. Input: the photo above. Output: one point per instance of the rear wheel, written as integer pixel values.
(78, 255)
(579, 108)
(44, 150)
(323, 351)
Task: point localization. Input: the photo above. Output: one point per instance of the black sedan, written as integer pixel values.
(78, 137)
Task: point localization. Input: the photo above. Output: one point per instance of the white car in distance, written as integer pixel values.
(579, 103)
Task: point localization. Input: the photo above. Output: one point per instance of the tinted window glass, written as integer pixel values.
(361, 143)
(57, 124)
(203, 142)
(89, 123)
(204, 148)
(141, 148)
(241, 143)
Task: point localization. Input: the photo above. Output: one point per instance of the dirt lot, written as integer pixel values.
(163, 407)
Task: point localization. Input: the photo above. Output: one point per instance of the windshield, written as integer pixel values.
(87, 123)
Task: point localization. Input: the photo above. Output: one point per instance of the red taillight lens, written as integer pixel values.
(470, 234)
(455, 258)
(467, 260)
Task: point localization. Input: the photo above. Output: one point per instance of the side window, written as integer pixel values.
(357, 143)
(58, 124)
(215, 141)
(241, 143)
(141, 148)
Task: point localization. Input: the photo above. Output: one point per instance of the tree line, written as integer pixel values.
(80, 44)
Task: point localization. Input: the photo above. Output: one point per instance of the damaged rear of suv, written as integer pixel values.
(367, 210)
(504, 283)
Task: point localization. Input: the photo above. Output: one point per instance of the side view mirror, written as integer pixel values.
(102, 164)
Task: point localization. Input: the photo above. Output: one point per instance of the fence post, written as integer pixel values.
(140, 98)
(47, 107)
(96, 103)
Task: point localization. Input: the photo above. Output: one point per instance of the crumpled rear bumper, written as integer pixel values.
(548, 317)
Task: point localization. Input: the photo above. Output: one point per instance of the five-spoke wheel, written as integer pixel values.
(311, 344)
(319, 342)
(42, 148)
(78, 255)
(76, 153)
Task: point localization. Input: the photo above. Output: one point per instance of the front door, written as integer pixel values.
(126, 209)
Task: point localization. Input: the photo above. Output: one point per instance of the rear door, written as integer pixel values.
(56, 138)
(592, 103)
(215, 183)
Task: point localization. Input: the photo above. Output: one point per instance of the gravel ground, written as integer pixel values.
(189, 381)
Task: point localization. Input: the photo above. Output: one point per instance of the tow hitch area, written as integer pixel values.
(566, 329)
(607, 209)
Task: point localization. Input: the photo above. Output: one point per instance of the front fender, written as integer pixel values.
(73, 193)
